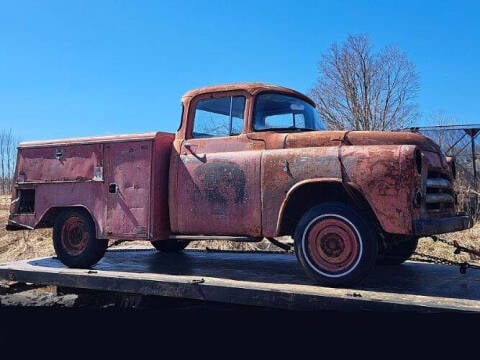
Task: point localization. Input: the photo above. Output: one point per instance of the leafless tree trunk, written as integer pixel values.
(358, 89)
(2, 163)
(8, 145)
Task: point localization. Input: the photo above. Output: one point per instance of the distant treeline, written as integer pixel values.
(8, 156)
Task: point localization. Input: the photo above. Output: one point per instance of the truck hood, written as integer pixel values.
(329, 138)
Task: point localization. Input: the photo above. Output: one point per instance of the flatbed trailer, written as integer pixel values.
(266, 279)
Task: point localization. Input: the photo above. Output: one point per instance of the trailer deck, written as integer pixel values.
(266, 279)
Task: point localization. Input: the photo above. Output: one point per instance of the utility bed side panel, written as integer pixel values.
(47, 197)
(160, 229)
(51, 177)
(62, 163)
(122, 182)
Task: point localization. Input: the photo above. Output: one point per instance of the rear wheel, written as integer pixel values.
(334, 245)
(397, 250)
(74, 239)
(170, 245)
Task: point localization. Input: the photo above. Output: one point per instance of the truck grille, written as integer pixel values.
(440, 197)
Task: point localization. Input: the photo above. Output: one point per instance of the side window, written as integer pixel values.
(274, 111)
(219, 117)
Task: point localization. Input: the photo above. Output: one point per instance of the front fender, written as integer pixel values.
(346, 191)
(386, 176)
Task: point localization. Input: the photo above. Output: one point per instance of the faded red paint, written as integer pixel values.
(218, 187)
(74, 236)
(159, 202)
(147, 186)
(360, 138)
(128, 166)
(385, 176)
(74, 163)
(284, 168)
(332, 244)
(79, 173)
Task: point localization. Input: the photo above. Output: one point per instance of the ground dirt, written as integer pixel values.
(19, 245)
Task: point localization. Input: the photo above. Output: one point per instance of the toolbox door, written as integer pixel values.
(128, 178)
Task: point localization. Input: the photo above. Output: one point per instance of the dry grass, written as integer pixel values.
(18, 245)
(4, 202)
(263, 245)
(468, 238)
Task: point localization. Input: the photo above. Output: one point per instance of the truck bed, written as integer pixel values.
(122, 181)
(273, 280)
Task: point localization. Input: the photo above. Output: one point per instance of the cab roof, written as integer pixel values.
(250, 87)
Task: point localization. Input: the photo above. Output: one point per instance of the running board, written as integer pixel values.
(214, 237)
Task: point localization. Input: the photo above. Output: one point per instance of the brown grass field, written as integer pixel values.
(18, 245)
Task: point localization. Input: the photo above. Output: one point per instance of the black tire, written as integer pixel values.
(170, 245)
(397, 251)
(74, 239)
(334, 245)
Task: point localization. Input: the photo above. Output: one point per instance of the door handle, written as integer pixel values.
(189, 147)
(113, 188)
(201, 157)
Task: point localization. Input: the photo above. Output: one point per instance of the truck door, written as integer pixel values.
(218, 179)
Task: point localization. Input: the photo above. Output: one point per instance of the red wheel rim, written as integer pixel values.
(74, 236)
(333, 245)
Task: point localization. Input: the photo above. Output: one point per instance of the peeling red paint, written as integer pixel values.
(218, 187)
(147, 186)
(137, 165)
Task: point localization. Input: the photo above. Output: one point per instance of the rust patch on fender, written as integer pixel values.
(387, 178)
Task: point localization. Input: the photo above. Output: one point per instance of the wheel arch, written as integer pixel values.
(48, 218)
(308, 193)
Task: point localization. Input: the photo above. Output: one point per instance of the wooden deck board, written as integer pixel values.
(263, 279)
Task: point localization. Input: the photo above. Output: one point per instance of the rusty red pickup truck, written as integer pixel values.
(249, 161)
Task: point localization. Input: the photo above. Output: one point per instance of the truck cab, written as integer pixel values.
(216, 161)
(249, 161)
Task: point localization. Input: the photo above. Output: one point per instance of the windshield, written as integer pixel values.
(284, 112)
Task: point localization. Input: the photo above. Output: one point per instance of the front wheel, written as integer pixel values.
(334, 245)
(74, 239)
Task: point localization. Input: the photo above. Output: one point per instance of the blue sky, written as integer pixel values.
(82, 68)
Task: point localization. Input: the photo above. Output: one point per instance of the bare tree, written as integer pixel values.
(8, 145)
(358, 89)
(2, 162)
